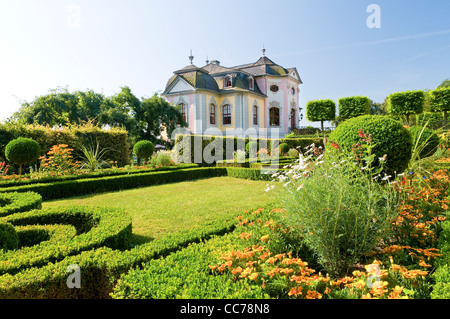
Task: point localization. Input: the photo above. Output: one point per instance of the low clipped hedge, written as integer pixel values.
(55, 190)
(15, 202)
(102, 267)
(97, 174)
(95, 227)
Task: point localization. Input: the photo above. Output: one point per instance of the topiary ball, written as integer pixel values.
(425, 140)
(284, 148)
(8, 237)
(251, 146)
(389, 137)
(21, 151)
(143, 149)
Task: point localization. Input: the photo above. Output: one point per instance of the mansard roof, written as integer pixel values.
(211, 76)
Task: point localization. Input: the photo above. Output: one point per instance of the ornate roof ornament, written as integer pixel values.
(191, 57)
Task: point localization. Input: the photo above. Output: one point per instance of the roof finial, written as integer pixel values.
(263, 51)
(191, 57)
(207, 60)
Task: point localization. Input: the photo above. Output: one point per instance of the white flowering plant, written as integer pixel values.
(336, 203)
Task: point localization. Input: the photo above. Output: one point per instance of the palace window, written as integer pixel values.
(227, 82)
(212, 114)
(274, 116)
(274, 88)
(251, 84)
(293, 91)
(255, 115)
(183, 111)
(226, 114)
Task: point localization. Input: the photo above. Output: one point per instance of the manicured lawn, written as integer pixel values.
(159, 210)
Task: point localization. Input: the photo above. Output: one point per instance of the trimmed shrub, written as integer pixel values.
(425, 140)
(284, 148)
(22, 151)
(440, 101)
(320, 110)
(8, 237)
(143, 149)
(353, 106)
(389, 137)
(406, 103)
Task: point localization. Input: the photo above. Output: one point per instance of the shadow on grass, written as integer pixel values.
(137, 240)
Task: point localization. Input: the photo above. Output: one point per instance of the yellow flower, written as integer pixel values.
(253, 276)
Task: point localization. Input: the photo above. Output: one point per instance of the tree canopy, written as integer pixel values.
(143, 118)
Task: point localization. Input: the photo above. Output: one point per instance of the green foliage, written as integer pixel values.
(185, 274)
(250, 173)
(425, 140)
(406, 103)
(389, 138)
(251, 147)
(293, 153)
(15, 202)
(162, 158)
(143, 149)
(75, 136)
(440, 99)
(93, 157)
(152, 114)
(9, 239)
(320, 110)
(22, 151)
(441, 277)
(284, 148)
(353, 106)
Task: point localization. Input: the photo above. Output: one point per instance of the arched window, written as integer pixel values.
(227, 82)
(212, 114)
(183, 111)
(293, 119)
(274, 116)
(255, 115)
(226, 114)
(250, 83)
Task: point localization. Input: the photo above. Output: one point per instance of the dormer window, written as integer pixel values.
(251, 84)
(227, 82)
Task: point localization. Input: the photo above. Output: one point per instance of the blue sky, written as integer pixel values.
(103, 45)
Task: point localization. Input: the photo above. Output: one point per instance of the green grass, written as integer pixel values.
(163, 209)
